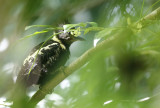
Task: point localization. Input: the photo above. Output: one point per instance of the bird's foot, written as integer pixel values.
(62, 69)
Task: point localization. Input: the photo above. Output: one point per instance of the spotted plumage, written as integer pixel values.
(50, 57)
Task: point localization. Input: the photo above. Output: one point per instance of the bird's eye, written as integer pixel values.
(72, 33)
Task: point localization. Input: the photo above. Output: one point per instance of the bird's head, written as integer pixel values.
(67, 38)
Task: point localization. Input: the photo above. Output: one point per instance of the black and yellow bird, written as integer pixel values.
(41, 65)
(51, 56)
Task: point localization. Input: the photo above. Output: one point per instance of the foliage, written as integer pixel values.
(125, 74)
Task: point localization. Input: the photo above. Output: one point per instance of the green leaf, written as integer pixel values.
(150, 52)
(139, 26)
(35, 33)
(76, 32)
(28, 27)
(92, 29)
(93, 24)
(106, 32)
(68, 27)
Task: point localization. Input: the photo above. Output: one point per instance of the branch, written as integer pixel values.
(148, 19)
(62, 74)
(153, 15)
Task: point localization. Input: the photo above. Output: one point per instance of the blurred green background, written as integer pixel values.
(125, 75)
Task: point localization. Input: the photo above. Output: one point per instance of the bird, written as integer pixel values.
(51, 56)
(42, 64)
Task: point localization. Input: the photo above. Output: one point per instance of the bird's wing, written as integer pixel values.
(32, 69)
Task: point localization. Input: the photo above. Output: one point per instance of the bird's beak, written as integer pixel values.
(79, 39)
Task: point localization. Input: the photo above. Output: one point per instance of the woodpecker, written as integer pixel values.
(51, 56)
